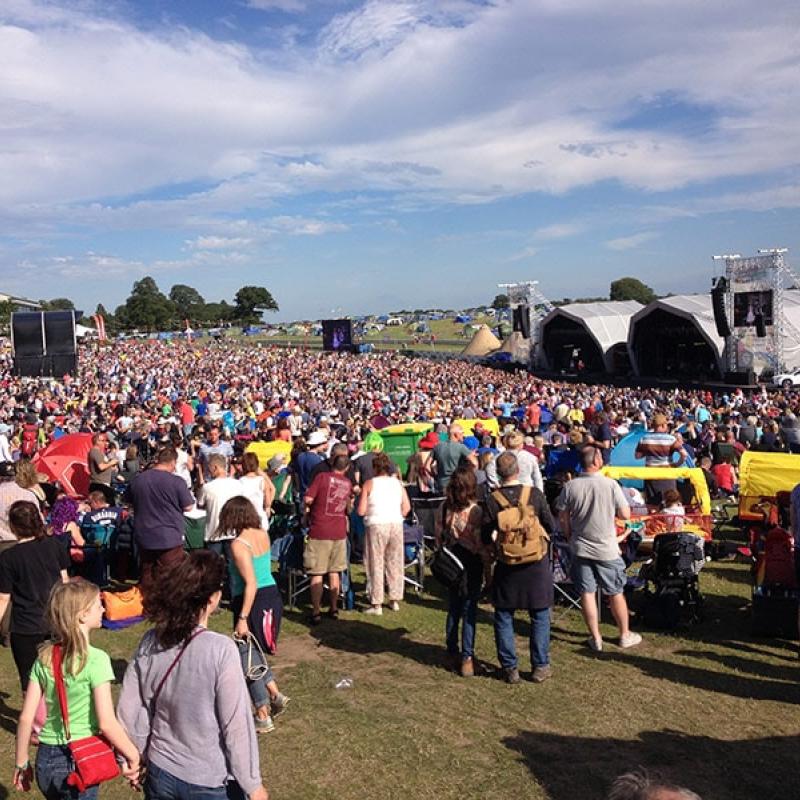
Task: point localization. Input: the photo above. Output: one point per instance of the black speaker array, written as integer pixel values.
(44, 343)
(522, 321)
(718, 293)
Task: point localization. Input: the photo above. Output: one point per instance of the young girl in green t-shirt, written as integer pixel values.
(73, 610)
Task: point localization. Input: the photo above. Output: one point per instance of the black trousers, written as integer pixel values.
(24, 649)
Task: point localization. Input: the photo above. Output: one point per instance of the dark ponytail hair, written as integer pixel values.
(174, 601)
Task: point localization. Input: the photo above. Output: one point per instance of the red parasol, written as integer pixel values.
(64, 461)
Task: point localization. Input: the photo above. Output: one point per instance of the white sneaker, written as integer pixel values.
(376, 610)
(394, 605)
(630, 639)
(596, 645)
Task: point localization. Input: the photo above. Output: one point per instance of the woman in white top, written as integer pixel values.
(185, 463)
(257, 488)
(383, 504)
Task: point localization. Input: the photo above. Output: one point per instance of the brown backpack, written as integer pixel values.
(521, 539)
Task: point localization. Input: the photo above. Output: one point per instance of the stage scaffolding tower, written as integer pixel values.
(768, 271)
(527, 293)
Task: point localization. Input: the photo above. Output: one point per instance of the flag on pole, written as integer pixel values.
(100, 326)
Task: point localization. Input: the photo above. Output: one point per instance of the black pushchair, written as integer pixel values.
(674, 597)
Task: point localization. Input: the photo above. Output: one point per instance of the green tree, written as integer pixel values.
(187, 300)
(6, 308)
(251, 301)
(58, 304)
(631, 289)
(215, 313)
(500, 301)
(147, 308)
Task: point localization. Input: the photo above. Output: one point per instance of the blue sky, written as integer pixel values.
(370, 156)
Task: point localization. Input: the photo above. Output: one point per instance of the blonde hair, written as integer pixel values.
(26, 475)
(67, 603)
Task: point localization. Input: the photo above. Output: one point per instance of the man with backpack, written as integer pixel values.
(29, 437)
(588, 506)
(518, 522)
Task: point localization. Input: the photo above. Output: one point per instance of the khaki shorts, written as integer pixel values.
(322, 556)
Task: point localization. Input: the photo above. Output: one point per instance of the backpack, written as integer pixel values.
(521, 539)
(30, 439)
(447, 567)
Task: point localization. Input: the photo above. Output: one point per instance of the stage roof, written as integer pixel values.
(606, 322)
(696, 308)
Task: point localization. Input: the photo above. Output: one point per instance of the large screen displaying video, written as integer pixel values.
(748, 307)
(337, 334)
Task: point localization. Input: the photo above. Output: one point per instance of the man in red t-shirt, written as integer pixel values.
(533, 415)
(327, 505)
(187, 417)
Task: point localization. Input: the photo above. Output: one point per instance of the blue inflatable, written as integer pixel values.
(624, 454)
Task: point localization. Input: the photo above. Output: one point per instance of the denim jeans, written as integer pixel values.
(53, 765)
(223, 548)
(162, 785)
(462, 608)
(539, 637)
(258, 687)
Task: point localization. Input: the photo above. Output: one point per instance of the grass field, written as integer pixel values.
(712, 708)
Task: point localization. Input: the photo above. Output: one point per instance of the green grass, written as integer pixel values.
(712, 707)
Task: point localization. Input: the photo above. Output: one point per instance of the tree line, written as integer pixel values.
(149, 309)
(620, 289)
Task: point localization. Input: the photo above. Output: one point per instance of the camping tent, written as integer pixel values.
(483, 343)
(518, 347)
(82, 330)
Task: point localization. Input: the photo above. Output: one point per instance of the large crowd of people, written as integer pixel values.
(170, 425)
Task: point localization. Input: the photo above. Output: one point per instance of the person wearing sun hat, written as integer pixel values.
(309, 459)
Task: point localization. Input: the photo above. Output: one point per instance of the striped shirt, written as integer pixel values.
(656, 449)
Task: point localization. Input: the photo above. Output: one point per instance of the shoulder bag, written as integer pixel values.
(94, 757)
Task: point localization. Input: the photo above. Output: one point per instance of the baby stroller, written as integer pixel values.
(673, 571)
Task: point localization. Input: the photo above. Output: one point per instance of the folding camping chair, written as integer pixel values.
(720, 516)
(414, 555)
(562, 579)
(288, 552)
(428, 513)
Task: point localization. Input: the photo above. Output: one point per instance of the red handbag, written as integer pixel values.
(94, 757)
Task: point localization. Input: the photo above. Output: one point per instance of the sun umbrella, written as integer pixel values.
(64, 461)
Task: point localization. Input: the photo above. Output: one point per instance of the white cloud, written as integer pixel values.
(631, 242)
(434, 101)
(217, 243)
(300, 226)
(559, 230)
(289, 6)
(522, 255)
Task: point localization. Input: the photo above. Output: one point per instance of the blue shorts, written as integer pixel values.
(587, 575)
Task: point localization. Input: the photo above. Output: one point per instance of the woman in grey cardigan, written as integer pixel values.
(184, 701)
